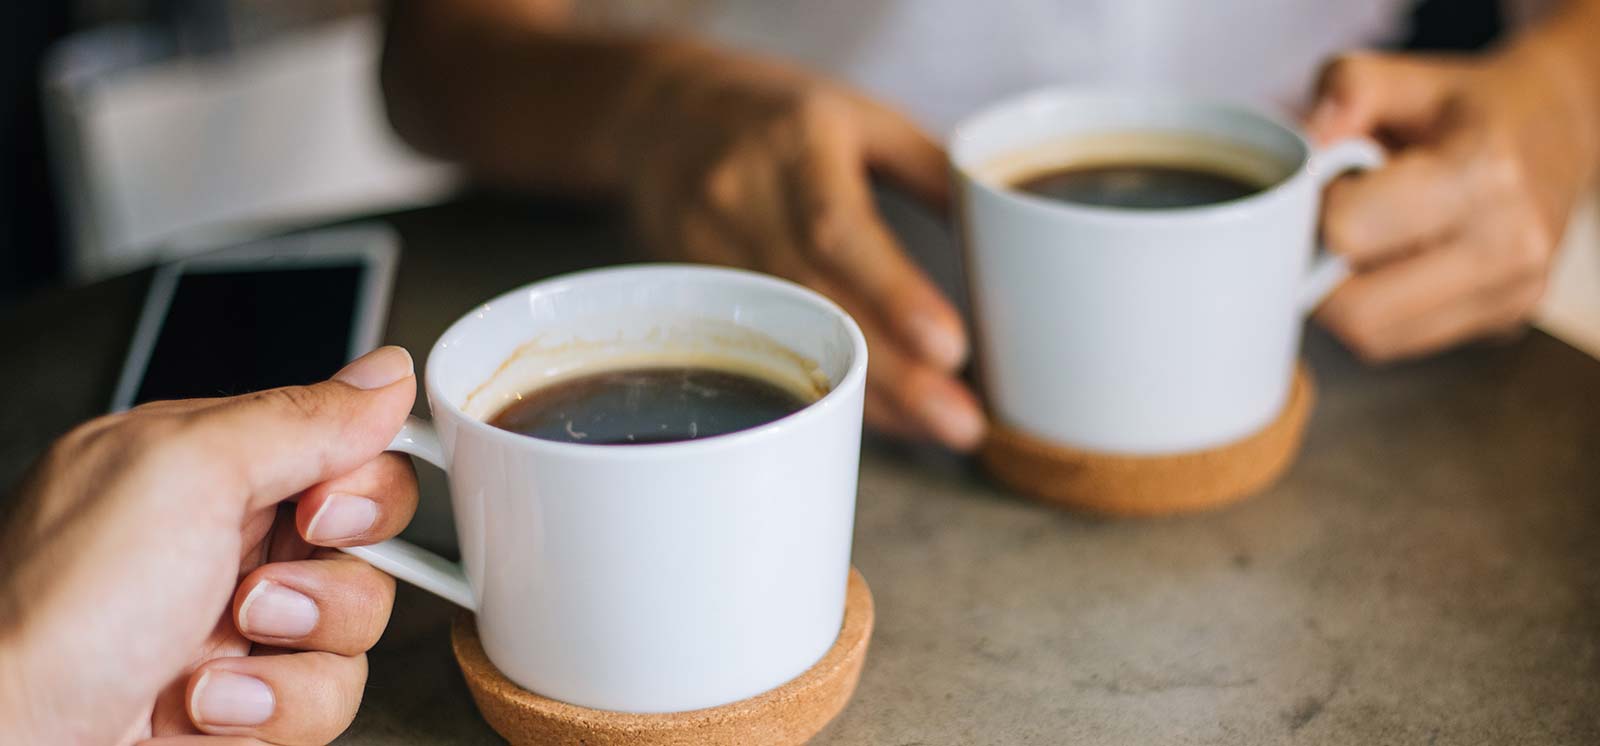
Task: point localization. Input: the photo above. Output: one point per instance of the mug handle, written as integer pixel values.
(408, 561)
(1329, 269)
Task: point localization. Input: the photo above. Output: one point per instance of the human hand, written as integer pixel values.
(1454, 238)
(751, 164)
(155, 583)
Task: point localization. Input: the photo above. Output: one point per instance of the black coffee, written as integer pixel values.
(648, 405)
(1150, 186)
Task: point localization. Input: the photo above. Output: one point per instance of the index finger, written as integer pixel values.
(1417, 197)
(1360, 92)
(905, 153)
(841, 230)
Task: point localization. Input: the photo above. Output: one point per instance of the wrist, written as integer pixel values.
(1557, 58)
(684, 88)
(662, 74)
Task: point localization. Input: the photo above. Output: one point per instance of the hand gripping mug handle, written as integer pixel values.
(1329, 269)
(408, 561)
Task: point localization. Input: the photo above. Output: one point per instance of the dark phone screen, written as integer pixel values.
(231, 333)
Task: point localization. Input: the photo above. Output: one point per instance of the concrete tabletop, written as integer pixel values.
(1427, 573)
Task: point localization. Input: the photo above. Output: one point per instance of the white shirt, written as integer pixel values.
(942, 59)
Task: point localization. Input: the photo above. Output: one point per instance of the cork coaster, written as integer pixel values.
(786, 716)
(1124, 485)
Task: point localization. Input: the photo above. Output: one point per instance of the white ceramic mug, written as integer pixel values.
(1141, 331)
(644, 578)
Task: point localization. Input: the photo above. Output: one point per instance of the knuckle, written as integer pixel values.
(99, 443)
(784, 115)
(815, 124)
(721, 185)
(827, 233)
(1531, 250)
(127, 437)
(1364, 345)
(1342, 228)
(301, 400)
(1357, 331)
(1369, 351)
(1346, 70)
(814, 107)
(85, 435)
(1336, 73)
(909, 389)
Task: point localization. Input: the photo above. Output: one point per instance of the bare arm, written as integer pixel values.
(718, 156)
(508, 89)
(1454, 239)
(1567, 40)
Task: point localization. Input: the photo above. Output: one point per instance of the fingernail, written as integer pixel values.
(226, 698)
(957, 423)
(271, 610)
(377, 369)
(341, 517)
(941, 345)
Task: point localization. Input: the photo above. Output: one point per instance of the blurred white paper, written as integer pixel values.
(291, 130)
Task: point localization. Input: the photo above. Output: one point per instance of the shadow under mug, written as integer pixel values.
(644, 578)
(1141, 331)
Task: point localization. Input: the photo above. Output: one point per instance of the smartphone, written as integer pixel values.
(274, 312)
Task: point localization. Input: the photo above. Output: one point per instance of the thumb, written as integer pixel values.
(281, 441)
(1361, 92)
(904, 153)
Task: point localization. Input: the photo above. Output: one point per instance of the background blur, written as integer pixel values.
(133, 129)
(137, 130)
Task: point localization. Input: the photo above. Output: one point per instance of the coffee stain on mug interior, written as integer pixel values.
(692, 343)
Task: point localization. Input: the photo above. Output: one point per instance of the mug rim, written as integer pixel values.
(1037, 97)
(853, 379)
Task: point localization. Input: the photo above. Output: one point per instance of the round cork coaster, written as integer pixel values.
(786, 716)
(1125, 485)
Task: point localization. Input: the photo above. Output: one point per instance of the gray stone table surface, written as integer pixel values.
(1427, 573)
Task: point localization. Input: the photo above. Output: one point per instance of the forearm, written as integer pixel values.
(1562, 47)
(520, 98)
